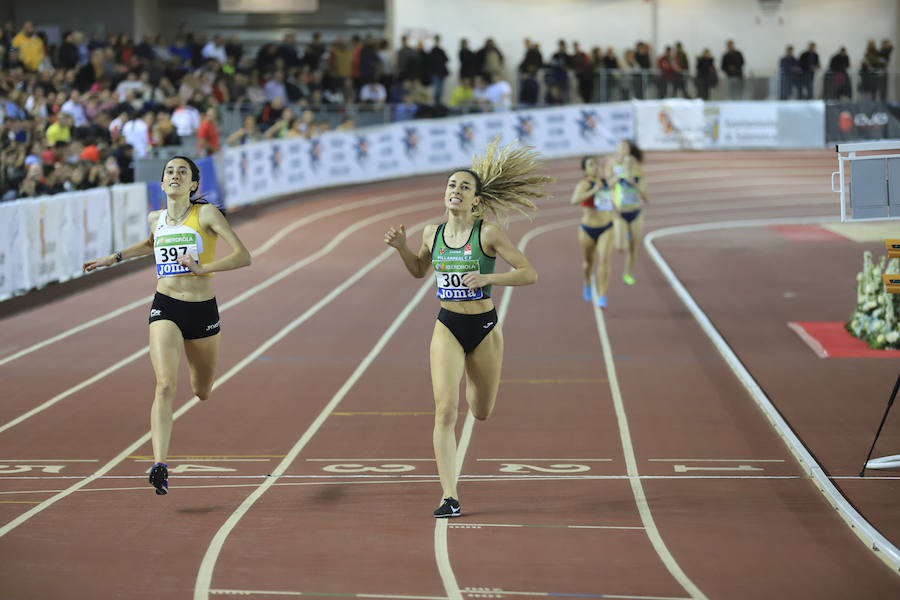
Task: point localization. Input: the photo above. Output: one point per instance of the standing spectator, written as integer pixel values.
(30, 46)
(837, 79)
(884, 55)
(611, 77)
(208, 134)
(733, 68)
(529, 89)
(706, 74)
(408, 65)
(468, 61)
(560, 63)
(532, 60)
(665, 66)
(809, 64)
(369, 68)
(436, 62)
(385, 64)
(789, 72)
(490, 58)
(287, 51)
(584, 72)
(642, 79)
(682, 67)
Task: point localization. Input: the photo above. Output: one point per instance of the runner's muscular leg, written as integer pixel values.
(447, 366)
(202, 356)
(604, 261)
(483, 367)
(588, 254)
(165, 354)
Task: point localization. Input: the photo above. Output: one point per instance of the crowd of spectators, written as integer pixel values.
(77, 114)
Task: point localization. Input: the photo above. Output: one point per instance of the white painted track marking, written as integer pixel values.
(204, 575)
(631, 463)
(319, 254)
(194, 401)
(876, 542)
(441, 550)
(265, 247)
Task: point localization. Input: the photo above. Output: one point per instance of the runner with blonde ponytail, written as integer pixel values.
(461, 253)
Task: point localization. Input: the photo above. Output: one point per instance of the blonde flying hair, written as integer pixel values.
(505, 179)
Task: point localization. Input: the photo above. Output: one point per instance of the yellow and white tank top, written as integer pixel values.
(170, 242)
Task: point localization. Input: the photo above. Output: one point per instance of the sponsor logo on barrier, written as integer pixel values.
(465, 135)
(847, 120)
(587, 123)
(315, 152)
(524, 126)
(411, 141)
(362, 149)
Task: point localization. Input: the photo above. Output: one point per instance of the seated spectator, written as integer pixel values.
(406, 110)
(61, 130)
(499, 93)
(245, 135)
(280, 127)
(137, 133)
(373, 94)
(462, 95)
(163, 131)
(271, 113)
(186, 119)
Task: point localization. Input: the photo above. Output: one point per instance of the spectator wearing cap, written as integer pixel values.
(30, 46)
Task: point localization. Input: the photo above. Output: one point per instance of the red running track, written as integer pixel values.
(624, 459)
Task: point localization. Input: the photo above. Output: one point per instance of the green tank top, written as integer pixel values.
(450, 264)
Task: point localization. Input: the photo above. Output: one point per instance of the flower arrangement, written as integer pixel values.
(876, 320)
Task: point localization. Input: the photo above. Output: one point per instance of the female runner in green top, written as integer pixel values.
(461, 253)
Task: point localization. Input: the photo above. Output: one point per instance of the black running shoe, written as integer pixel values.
(159, 478)
(448, 508)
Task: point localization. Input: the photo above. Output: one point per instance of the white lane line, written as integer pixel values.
(281, 234)
(130, 450)
(441, 550)
(876, 542)
(491, 592)
(319, 254)
(756, 460)
(631, 468)
(519, 477)
(87, 325)
(48, 460)
(519, 525)
(204, 575)
(544, 459)
(224, 592)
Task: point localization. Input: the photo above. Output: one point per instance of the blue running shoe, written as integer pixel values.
(159, 478)
(586, 292)
(601, 301)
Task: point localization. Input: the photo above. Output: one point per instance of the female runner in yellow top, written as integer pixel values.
(184, 312)
(461, 252)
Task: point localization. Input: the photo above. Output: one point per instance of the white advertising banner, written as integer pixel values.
(12, 249)
(48, 228)
(267, 169)
(673, 124)
(129, 214)
(90, 234)
(676, 124)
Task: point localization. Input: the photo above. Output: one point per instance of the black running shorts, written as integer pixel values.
(195, 319)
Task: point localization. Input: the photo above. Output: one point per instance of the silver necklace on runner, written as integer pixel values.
(179, 218)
